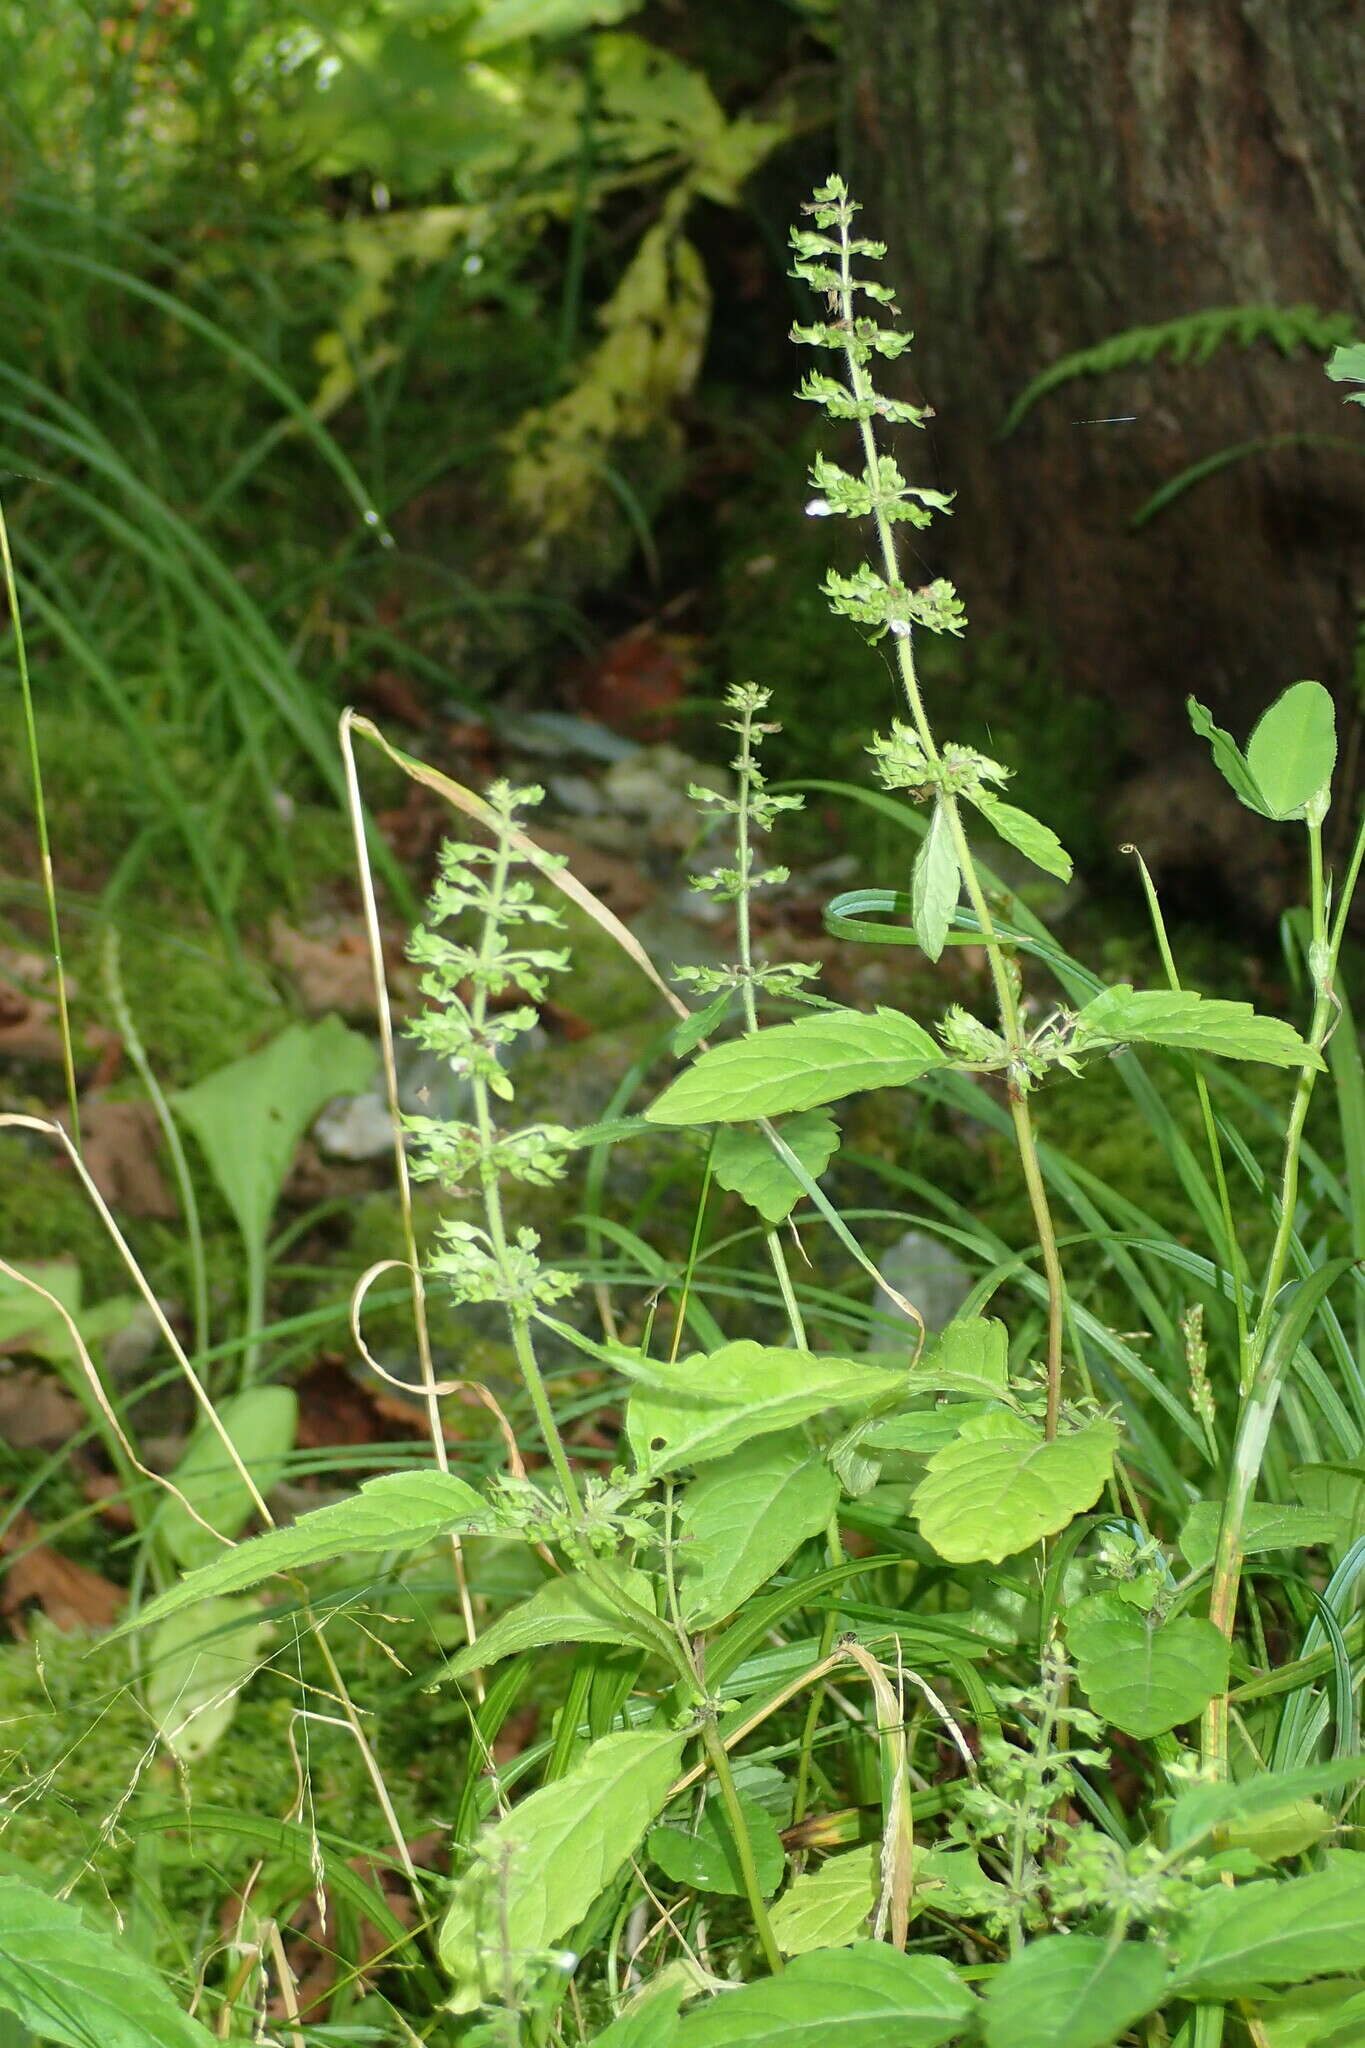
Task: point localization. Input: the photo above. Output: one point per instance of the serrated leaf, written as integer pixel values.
(969, 1356)
(536, 1872)
(744, 1161)
(1293, 750)
(1027, 834)
(705, 1857)
(1143, 1679)
(1314, 2016)
(742, 1519)
(1196, 1813)
(820, 1058)
(197, 1663)
(399, 1511)
(1268, 1525)
(828, 1907)
(260, 1424)
(1275, 1931)
(571, 1609)
(1189, 1022)
(249, 1116)
(1072, 1991)
(1228, 758)
(1000, 1486)
(862, 1997)
(707, 1405)
(70, 1982)
(923, 1431)
(935, 884)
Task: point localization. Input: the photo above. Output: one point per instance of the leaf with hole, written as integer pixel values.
(1000, 1486)
(704, 1856)
(1073, 1991)
(1293, 750)
(571, 1609)
(1036, 841)
(1275, 1931)
(935, 884)
(818, 1059)
(197, 1663)
(830, 1906)
(396, 1512)
(536, 1872)
(744, 1161)
(71, 1982)
(1141, 1678)
(866, 1996)
(742, 1518)
(1188, 1022)
(704, 1406)
(260, 1425)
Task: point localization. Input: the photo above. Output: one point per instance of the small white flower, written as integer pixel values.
(900, 627)
(819, 508)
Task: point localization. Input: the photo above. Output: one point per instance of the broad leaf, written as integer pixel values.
(72, 1983)
(1293, 750)
(1025, 833)
(1188, 1022)
(571, 1609)
(705, 1856)
(536, 1872)
(248, 1117)
(1269, 1525)
(743, 1517)
(651, 2020)
(744, 1161)
(820, 1058)
(1197, 1812)
(828, 1907)
(197, 1663)
(935, 884)
(1330, 2014)
(1334, 1490)
(260, 1424)
(1270, 1932)
(1140, 1678)
(1227, 758)
(704, 1406)
(999, 1486)
(868, 1996)
(1073, 1991)
(400, 1511)
(970, 1356)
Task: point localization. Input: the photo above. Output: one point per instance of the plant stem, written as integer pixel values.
(744, 1848)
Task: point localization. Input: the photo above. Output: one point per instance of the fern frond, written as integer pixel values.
(1193, 338)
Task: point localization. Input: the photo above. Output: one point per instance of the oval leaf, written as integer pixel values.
(536, 1872)
(704, 1406)
(1143, 1679)
(1073, 1991)
(197, 1664)
(935, 885)
(820, 1058)
(1270, 1933)
(705, 1857)
(867, 1996)
(71, 1983)
(572, 1609)
(260, 1425)
(828, 1907)
(999, 1486)
(746, 1163)
(1293, 750)
(743, 1518)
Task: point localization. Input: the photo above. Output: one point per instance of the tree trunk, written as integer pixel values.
(1048, 174)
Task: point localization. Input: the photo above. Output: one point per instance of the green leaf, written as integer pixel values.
(197, 1664)
(72, 1983)
(742, 1519)
(1346, 365)
(1197, 1812)
(1314, 2016)
(1228, 758)
(745, 1162)
(260, 1424)
(1282, 1832)
(1293, 750)
(1072, 1991)
(1142, 1679)
(969, 1356)
(705, 1857)
(536, 1872)
(1027, 834)
(868, 1996)
(571, 1609)
(1337, 1491)
(1184, 1019)
(651, 2019)
(820, 1058)
(935, 884)
(399, 1511)
(1269, 1525)
(704, 1406)
(248, 1117)
(999, 1486)
(828, 1907)
(1276, 1931)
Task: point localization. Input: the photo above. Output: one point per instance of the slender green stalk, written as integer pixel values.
(744, 1848)
(35, 768)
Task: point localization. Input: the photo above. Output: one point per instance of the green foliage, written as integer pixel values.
(73, 1983)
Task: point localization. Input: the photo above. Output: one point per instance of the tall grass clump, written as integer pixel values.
(995, 1683)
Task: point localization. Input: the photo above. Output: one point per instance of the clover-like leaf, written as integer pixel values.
(1293, 750)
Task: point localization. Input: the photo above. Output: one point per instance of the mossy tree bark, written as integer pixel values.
(1048, 172)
